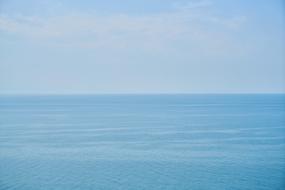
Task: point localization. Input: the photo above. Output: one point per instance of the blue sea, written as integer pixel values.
(142, 142)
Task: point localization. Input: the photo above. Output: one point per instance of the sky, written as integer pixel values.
(142, 46)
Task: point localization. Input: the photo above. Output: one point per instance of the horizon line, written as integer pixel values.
(143, 93)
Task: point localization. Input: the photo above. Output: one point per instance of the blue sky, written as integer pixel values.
(142, 46)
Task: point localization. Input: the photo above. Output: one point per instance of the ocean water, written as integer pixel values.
(142, 142)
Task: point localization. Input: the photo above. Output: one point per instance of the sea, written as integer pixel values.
(142, 142)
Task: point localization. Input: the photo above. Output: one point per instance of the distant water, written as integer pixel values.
(142, 142)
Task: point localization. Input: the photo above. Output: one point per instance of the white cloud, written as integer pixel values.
(197, 29)
(193, 5)
(232, 23)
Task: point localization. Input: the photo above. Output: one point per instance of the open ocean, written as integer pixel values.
(142, 142)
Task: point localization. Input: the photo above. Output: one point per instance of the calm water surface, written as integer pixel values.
(142, 142)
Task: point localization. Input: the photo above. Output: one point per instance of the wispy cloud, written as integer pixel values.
(193, 4)
(185, 24)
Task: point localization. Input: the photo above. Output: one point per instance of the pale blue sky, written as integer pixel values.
(142, 46)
